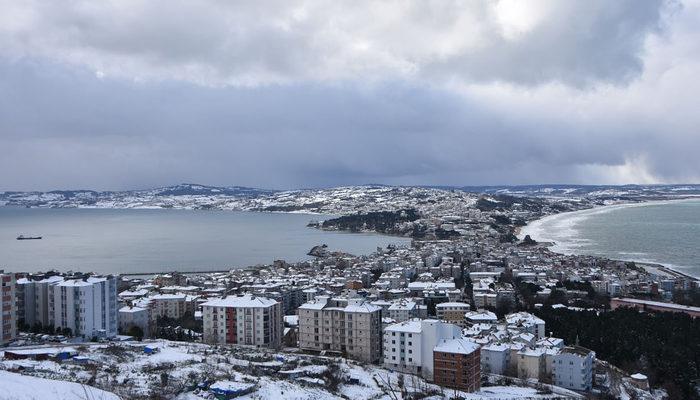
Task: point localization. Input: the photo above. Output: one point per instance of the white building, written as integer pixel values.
(527, 322)
(403, 310)
(408, 346)
(495, 358)
(86, 306)
(134, 316)
(8, 308)
(572, 368)
(243, 320)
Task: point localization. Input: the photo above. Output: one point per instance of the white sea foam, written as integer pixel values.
(563, 230)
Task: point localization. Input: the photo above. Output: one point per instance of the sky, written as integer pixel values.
(128, 94)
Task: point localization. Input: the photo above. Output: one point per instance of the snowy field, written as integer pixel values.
(188, 371)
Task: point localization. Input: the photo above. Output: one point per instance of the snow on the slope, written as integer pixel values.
(20, 387)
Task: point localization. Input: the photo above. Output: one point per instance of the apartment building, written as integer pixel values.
(8, 308)
(243, 320)
(87, 306)
(352, 327)
(457, 364)
(408, 346)
(403, 310)
(495, 358)
(168, 305)
(34, 301)
(527, 322)
(572, 368)
(131, 316)
(453, 312)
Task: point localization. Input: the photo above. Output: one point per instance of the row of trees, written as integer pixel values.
(663, 346)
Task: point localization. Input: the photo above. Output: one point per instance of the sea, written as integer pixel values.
(163, 240)
(664, 232)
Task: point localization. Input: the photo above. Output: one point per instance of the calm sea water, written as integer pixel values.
(120, 241)
(666, 233)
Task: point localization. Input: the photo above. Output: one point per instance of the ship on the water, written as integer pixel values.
(22, 237)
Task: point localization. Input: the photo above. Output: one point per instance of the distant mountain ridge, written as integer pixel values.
(344, 199)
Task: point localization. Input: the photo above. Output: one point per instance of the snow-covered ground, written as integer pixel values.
(21, 387)
(187, 371)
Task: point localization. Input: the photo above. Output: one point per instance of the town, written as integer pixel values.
(467, 309)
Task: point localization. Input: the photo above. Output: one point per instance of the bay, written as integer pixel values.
(154, 240)
(666, 233)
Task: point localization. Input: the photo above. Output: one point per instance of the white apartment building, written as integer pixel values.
(243, 320)
(134, 316)
(403, 310)
(352, 327)
(495, 358)
(528, 323)
(86, 306)
(572, 368)
(408, 346)
(8, 308)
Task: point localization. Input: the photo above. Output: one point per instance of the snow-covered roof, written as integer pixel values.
(128, 309)
(247, 301)
(412, 326)
(456, 346)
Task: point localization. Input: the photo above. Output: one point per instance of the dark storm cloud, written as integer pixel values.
(125, 95)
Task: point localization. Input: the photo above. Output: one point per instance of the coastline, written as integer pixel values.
(533, 228)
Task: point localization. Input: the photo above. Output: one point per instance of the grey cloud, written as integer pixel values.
(220, 43)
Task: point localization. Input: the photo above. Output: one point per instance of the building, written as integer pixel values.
(408, 346)
(494, 359)
(33, 295)
(403, 310)
(452, 312)
(8, 308)
(572, 368)
(352, 327)
(527, 322)
(134, 316)
(457, 364)
(87, 306)
(531, 363)
(647, 305)
(243, 320)
(168, 305)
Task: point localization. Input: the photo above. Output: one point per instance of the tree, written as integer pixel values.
(136, 332)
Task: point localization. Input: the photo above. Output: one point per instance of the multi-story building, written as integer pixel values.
(243, 320)
(351, 327)
(453, 312)
(33, 294)
(8, 308)
(457, 364)
(572, 368)
(134, 316)
(86, 306)
(528, 323)
(403, 310)
(494, 358)
(408, 346)
(168, 305)
(531, 363)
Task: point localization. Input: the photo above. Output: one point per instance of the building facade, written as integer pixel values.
(86, 306)
(408, 346)
(243, 320)
(351, 327)
(572, 368)
(8, 308)
(457, 364)
(453, 312)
